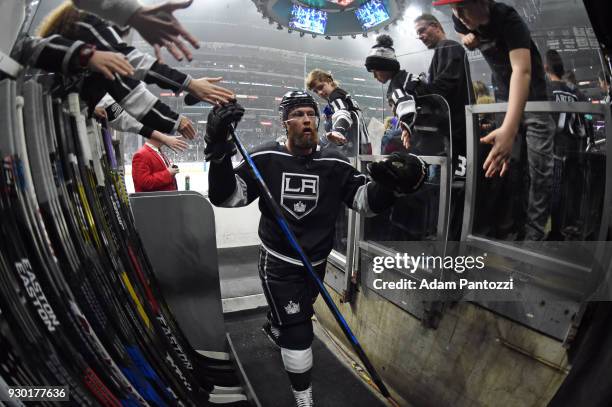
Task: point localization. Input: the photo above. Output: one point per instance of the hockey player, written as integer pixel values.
(310, 185)
(348, 125)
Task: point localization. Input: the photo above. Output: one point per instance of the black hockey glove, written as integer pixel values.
(219, 121)
(218, 137)
(402, 173)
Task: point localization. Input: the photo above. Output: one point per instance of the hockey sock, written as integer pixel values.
(300, 381)
(298, 364)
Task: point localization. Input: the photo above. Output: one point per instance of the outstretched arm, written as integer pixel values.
(503, 137)
(148, 69)
(62, 55)
(400, 174)
(156, 24)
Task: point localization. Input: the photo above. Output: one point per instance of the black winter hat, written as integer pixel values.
(382, 55)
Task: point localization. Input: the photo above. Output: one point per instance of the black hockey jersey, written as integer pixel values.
(309, 189)
(347, 119)
(401, 99)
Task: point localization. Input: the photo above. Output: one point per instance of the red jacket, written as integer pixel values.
(149, 172)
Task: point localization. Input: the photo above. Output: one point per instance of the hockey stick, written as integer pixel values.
(282, 222)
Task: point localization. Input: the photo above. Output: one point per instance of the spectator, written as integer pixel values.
(449, 77)
(401, 96)
(69, 22)
(152, 170)
(569, 133)
(348, 130)
(385, 67)
(392, 137)
(134, 97)
(480, 90)
(504, 40)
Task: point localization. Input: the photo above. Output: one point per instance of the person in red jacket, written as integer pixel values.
(151, 169)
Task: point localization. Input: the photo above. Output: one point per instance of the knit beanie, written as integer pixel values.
(382, 55)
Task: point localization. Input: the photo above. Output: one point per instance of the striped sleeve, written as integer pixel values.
(118, 118)
(139, 102)
(146, 67)
(52, 54)
(403, 101)
(341, 117)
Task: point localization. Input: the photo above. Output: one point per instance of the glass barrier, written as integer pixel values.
(570, 254)
(571, 180)
(422, 215)
(415, 217)
(573, 174)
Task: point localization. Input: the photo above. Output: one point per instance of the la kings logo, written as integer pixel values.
(299, 193)
(292, 308)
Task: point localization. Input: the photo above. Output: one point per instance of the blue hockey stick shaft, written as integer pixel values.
(324, 293)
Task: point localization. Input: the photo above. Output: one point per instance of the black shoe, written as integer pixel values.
(271, 332)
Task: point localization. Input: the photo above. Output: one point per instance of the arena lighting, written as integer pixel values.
(412, 12)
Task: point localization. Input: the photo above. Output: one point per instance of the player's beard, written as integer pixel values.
(305, 140)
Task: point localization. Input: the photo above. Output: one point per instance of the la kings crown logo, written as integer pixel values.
(292, 308)
(299, 193)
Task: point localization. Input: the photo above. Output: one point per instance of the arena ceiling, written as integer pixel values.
(332, 18)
